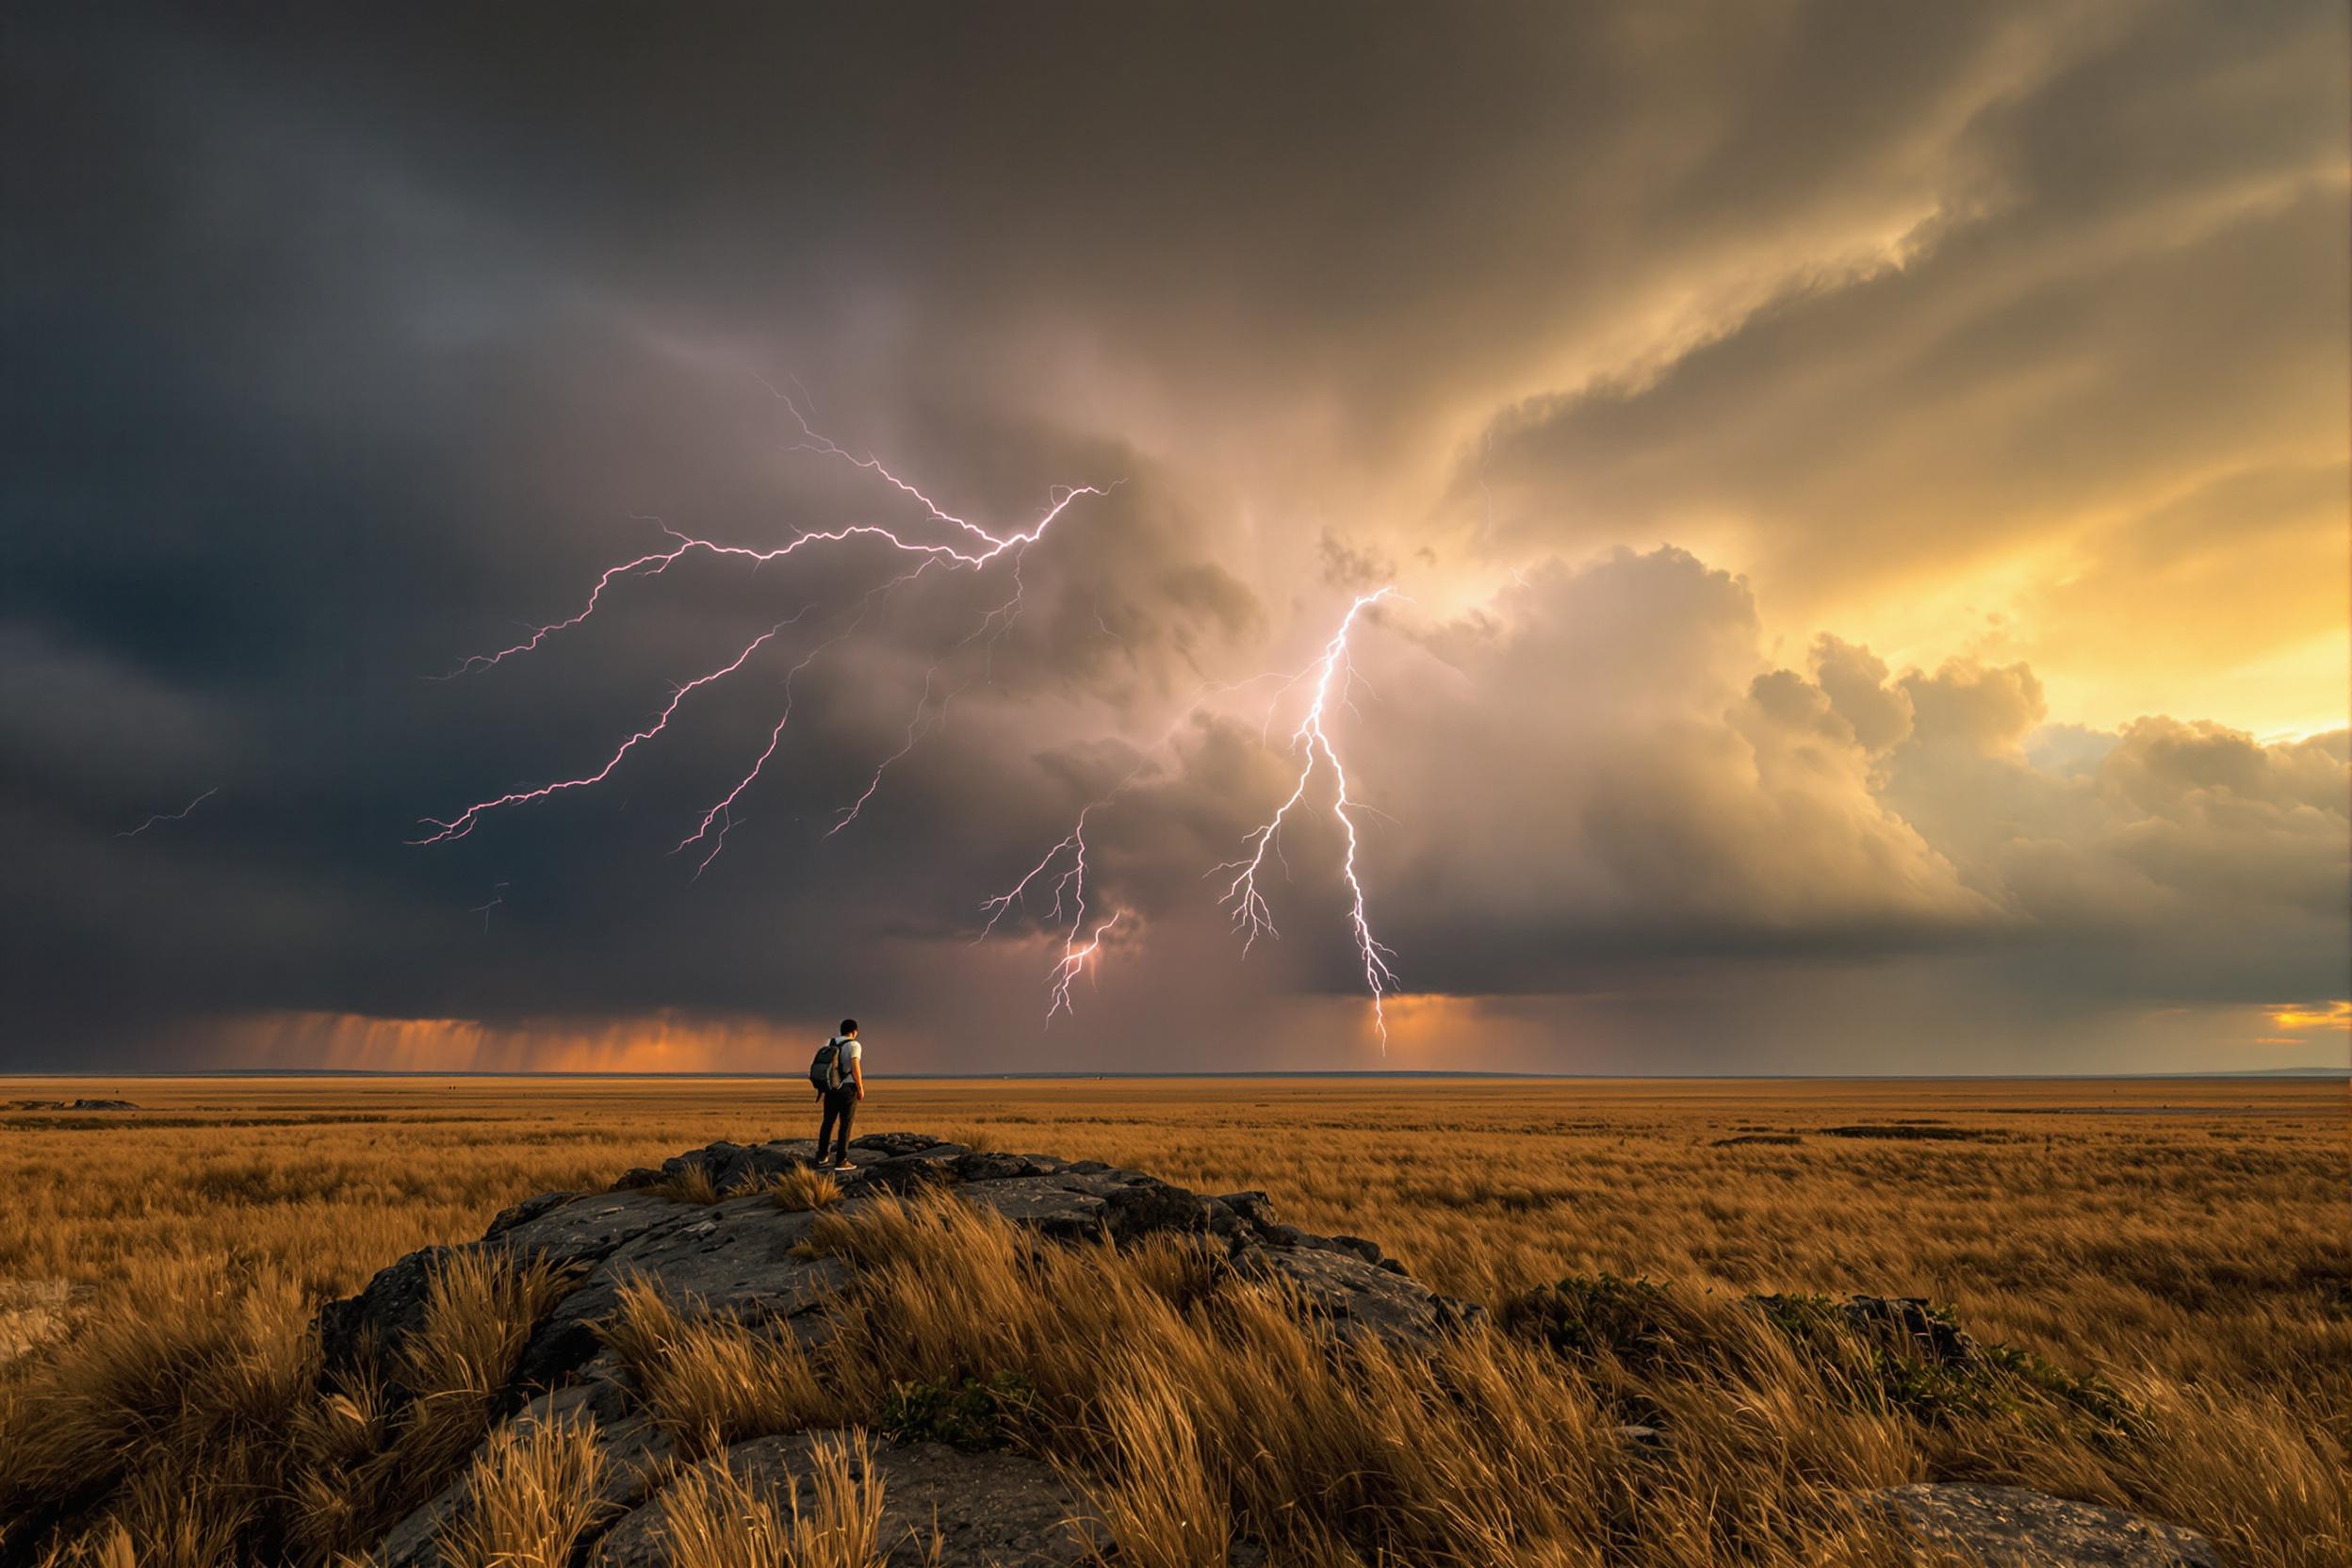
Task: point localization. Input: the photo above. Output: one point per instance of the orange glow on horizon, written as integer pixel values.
(657, 1043)
(2330, 1015)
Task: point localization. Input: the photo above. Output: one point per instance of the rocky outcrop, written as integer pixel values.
(742, 1256)
(2009, 1526)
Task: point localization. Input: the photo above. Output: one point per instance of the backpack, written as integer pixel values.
(825, 1070)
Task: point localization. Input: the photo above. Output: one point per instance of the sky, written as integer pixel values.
(1858, 497)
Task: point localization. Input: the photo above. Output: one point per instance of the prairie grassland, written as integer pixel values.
(2186, 1240)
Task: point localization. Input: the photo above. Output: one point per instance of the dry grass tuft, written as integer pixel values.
(711, 1518)
(709, 1382)
(692, 1185)
(800, 1189)
(532, 1495)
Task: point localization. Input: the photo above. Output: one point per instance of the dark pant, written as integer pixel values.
(840, 1106)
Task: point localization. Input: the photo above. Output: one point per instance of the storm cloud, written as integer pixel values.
(1866, 491)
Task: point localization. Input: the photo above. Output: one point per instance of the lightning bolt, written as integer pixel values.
(969, 546)
(1312, 743)
(1063, 869)
(180, 816)
(1070, 887)
(465, 821)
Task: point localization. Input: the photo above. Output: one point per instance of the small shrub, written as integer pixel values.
(973, 1417)
(2085, 1393)
(1912, 1359)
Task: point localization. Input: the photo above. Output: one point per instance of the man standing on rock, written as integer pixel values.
(839, 1075)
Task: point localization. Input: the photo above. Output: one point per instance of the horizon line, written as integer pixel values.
(2298, 1072)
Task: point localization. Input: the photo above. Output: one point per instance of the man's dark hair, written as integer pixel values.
(849, 1026)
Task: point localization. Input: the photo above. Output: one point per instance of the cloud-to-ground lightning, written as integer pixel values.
(1311, 743)
(1063, 870)
(180, 816)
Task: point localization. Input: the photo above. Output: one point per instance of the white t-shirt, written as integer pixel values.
(845, 1056)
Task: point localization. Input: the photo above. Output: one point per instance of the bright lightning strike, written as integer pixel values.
(1311, 743)
(970, 546)
(1063, 870)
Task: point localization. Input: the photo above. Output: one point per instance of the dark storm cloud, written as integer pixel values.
(341, 345)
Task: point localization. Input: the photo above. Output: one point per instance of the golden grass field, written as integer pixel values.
(2186, 1239)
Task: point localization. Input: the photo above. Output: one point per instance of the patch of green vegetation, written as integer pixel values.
(1903, 1357)
(972, 1415)
(2086, 1393)
(1912, 1358)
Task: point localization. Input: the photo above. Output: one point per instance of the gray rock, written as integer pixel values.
(1254, 1208)
(1002, 1167)
(1357, 1296)
(2009, 1526)
(1064, 1207)
(982, 1511)
(733, 1258)
(737, 1257)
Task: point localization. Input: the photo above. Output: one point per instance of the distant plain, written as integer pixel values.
(2191, 1226)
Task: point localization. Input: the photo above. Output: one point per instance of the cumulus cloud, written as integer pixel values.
(1603, 764)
